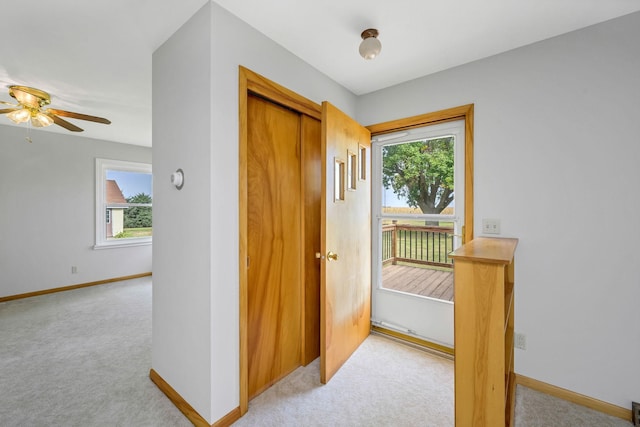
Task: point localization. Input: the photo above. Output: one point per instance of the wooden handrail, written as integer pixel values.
(421, 247)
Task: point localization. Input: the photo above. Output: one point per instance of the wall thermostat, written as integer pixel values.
(177, 179)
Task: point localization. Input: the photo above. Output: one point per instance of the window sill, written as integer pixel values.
(125, 244)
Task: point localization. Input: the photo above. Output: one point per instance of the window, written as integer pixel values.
(124, 200)
(338, 180)
(352, 167)
(417, 177)
(362, 164)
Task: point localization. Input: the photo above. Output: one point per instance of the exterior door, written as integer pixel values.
(417, 227)
(345, 286)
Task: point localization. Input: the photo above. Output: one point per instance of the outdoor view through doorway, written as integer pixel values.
(418, 212)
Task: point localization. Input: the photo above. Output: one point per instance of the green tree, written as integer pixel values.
(138, 216)
(420, 172)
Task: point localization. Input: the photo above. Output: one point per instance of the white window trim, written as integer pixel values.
(455, 129)
(102, 165)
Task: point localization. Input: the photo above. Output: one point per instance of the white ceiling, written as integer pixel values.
(94, 57)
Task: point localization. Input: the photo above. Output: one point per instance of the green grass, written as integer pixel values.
(129, 233)
(414, 247)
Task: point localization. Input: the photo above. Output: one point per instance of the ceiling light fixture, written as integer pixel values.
(23, 115)
(19, 116)
(30, 109)
(40, 120)
(370, 46)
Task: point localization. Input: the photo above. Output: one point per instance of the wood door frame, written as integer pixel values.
(463, 112)
(251, 82)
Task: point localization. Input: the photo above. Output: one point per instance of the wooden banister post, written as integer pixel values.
(393, 242)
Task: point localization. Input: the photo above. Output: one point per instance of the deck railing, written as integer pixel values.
(416, 244)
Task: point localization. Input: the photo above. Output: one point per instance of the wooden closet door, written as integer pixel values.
(312, 189)
(274, 243)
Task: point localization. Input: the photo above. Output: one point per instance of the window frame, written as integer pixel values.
(425, 132)
(453, 128)
(102, 165)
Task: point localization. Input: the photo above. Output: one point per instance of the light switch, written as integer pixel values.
(490, 226)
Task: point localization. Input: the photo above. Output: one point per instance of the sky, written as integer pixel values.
(389, 199)
(132, 183)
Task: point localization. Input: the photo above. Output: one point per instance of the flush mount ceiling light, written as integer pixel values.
(370, 46)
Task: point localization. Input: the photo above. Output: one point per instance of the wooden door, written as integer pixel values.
(274, 250)
(345, 284)
(312, 189)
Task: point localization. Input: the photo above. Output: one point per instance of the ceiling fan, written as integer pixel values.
(30, 107)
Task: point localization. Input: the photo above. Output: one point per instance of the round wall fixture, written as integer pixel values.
(177, 179)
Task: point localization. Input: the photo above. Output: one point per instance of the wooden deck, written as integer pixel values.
(420, 281)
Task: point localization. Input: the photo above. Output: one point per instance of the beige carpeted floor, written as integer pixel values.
(82, 358)
(386, 383)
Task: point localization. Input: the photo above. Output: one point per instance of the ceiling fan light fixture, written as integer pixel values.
(41, 120)
(27, 99)
(30, 108)
(28, 96)
(370, 46)
(19, 116)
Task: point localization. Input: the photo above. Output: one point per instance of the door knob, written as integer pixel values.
(331, 256)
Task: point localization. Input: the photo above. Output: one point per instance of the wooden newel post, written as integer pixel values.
(393, 242)
(483, 275)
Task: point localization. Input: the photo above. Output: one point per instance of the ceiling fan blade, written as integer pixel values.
(79, 116)
(65, 124)
(8, 110)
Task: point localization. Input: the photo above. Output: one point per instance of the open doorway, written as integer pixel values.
(419, 174)
(422, 210)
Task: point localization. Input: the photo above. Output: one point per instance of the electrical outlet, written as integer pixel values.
(635, 408)
(520, 341)
(490, 226)
(74, 269)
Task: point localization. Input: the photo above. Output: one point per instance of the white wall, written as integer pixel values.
(47, 212)
(556, 159)
(555, 152)
(182, 218)
(195, 259)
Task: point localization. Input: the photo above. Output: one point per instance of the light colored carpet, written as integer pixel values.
(82, 358)
(535, 409)
(383, 384)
